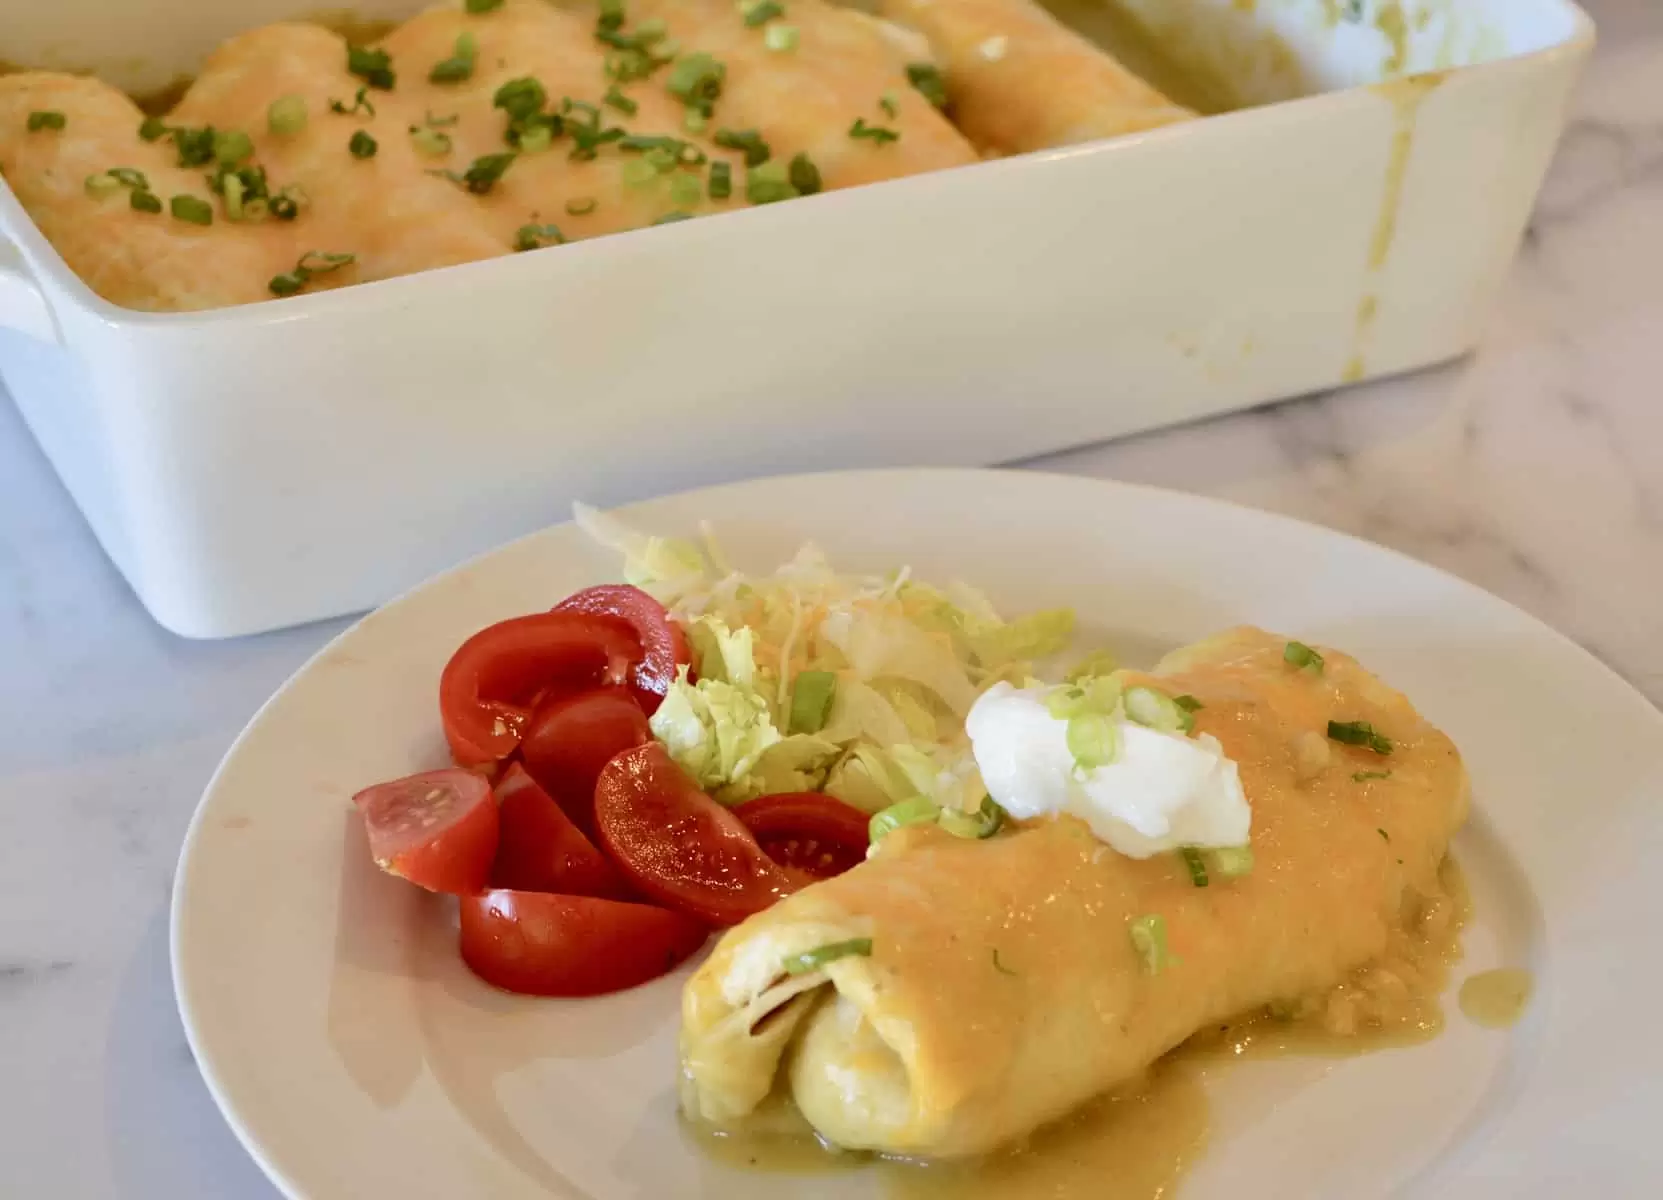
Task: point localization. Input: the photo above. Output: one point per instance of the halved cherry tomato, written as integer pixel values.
(570, 738)
(808, 831)
(663, 644)
(437, 829)
(540, 850)
(491, 680)
(545, 945)
(679, 846)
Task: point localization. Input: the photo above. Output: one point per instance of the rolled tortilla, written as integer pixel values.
(1003, 989)
(1020, 81)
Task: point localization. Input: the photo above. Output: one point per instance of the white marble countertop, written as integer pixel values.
(1534, 469)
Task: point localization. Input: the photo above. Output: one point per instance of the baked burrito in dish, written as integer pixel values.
(950, 995)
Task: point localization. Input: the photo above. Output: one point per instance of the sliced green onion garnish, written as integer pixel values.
(696, 79)
(129, 177)
(534, 237)
(919, 810)
(152, 128)
(812, 693)
(374, 67)
(520, 98)
(640, 142)
(312, 263)
(144, 201)
(482, 174)
(360, 104)
(1365, 776)
(813, 960)
(685, 190)
(286, 115)
(661, 157)
(1197, 866)
(769, 183)
(433, 122)
(1157, 710)
(47, 118)
(721, 181)
(581, 206)
(890, 103)
(781, 38)
(535, 139)
(195, 146)
(1232, 862)
(286, 284)
(1092, 740)
(637, 172)
(749, 141)
(927, 79)
(628, 65)
(1094, 694)
(670, 218)
(286, 205)
(760, 12)
(483, 6)
(694, 121)
(611, 14)
(459, 66)
(876, 134)
(1098, 662)
(231, 187)
(804, 175)
(362, 145)
(1188, 703)
(1359, 733)
(983, 823)
(102, 186)
(616, 99)
(192, 209)
(231, 146)
(257, 209)
(1298, 654)
(1148, 934)
(431, 142)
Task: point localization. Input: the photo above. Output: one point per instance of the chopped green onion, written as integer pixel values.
(721, 181)
(685, 190)
(694, 121)
(534, 237)
(760, 12)
(1196, 864)
(102, 186)
(144, 201)
(191, 209)
(484, 172)
(638, 142)
(520, 98)
(983, 823)
(627, 66)
(999, 966)
(611, 14)
(581, 206)
(129, 177)
(1098, 662)
(195, 146)
(1365, 776)
(362, 145)
(749, 141)
(483, 6)
(918, 810)
(811, 697)
(374, 67)
(286, 115)
(670, 218)
(535, 139)
(1148, 934)
(1188, 703)
(231, 146)
(286, 205)
(1384, 836)
(890, 103)
(696, 79)
(45, 119)
(781, 39)
(804, 175)
(663, 52)
(1092, 740)
(876, 134)
(589, 137)
(616, 99)
(464, 52)
(286, 284)
(256, 209)
(1298, 654)
(360, 104)
(1098, 694)
(430, 142)
(652, 29)
(813, 960)
(232, 188)
(928, 80)
(433, 122)
(769, 183)
(637, 172)
(1359, 733)
(152, 128)
(1232, 862)
(1157, 710)
(311, 264)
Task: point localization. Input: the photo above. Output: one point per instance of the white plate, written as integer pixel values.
(355, 1056)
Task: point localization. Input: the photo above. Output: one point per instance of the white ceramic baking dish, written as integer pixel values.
(267, 465)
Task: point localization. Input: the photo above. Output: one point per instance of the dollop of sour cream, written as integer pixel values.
(1162, 791)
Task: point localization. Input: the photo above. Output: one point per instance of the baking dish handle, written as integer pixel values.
(22, 306)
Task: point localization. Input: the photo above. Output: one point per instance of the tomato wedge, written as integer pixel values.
(663, 644)
(679, 846)
(437, 829)
(540, 850)
(490, 682)
(543, 945)
(570, 738)
(808, 831)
